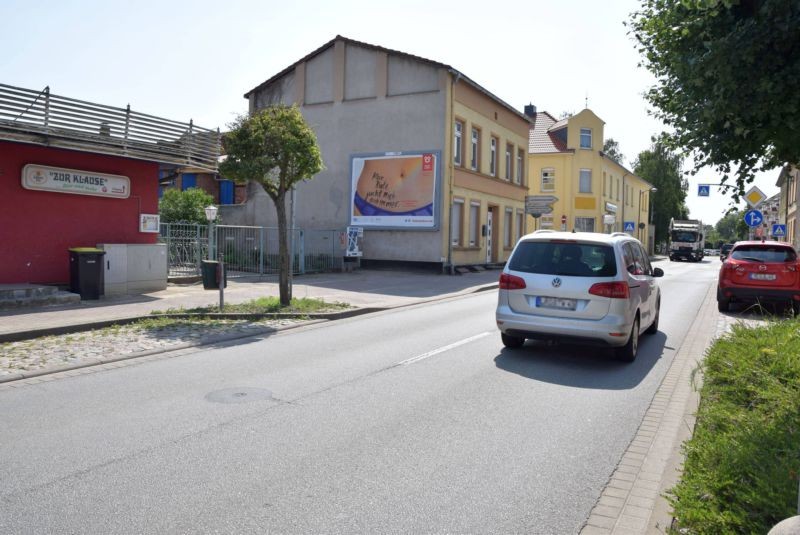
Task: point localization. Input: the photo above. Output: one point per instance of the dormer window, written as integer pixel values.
(586, 138)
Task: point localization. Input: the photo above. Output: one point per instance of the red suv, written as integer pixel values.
(760, 271)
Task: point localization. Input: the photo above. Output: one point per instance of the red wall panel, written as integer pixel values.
(37, 228)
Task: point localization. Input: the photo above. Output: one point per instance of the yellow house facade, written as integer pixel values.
(595, 193)
(486, 176)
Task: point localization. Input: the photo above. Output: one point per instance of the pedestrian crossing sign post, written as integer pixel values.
(778, 231)
(630, 226)
(703, 190)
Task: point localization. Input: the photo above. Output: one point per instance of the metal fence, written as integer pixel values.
(250, 251)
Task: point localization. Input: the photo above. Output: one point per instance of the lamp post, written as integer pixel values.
(211, 215)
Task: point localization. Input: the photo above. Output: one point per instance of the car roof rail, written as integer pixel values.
(620, 234)
(543, 230)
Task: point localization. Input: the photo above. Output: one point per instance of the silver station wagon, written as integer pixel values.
(580, 287)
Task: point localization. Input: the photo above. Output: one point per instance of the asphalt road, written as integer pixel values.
(412, 420)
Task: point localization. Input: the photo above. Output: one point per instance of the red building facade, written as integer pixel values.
(38, 227)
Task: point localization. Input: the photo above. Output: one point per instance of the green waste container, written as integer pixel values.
(86, 273)
(210, 272)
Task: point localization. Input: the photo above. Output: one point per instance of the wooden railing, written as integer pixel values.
(42, 117)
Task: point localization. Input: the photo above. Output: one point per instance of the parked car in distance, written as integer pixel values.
(582, 287)
(724, 250)
(757, 272)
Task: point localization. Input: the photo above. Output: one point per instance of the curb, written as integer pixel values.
(633, 500)
(312, 318)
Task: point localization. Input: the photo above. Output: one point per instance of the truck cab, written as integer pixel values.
(686, 240)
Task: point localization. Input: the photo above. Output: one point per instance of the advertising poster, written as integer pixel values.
(60, 180)
(394, 190)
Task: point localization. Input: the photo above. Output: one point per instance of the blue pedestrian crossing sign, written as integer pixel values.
(779, 231)
(630, 226)
(703, 190)
(753, 218)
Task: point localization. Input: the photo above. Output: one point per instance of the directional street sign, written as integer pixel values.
(630, 226)
(539, 204)
(703, 190)
(753, 218)
(754, 197)
(779, 231)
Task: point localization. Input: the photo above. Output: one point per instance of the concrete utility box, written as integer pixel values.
(135, 268)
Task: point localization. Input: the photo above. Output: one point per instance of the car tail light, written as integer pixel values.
(614, 290)
(511, 282)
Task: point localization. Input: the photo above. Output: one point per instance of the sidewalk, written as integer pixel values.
(360, 289)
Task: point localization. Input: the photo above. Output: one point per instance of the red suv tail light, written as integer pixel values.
(511, 282)
(614, 290)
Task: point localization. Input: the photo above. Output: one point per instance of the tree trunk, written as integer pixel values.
(283, 251)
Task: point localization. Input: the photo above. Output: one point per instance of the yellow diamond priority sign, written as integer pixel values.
(754, 197)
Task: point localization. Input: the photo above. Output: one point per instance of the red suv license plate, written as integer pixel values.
(762, 276)
(556, 302)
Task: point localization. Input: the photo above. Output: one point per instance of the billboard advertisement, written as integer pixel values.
(394, 190)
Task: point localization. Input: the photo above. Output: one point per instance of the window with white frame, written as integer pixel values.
(474, 223)
(493, 157)
(456, 221)
(508, 228)
(474, 153)
(548, 179)
(585, 185)
(520, 224)
(584, 224)
(520, 167)
(546, 221)
(586, 138)
(458, 143)
(509, 162)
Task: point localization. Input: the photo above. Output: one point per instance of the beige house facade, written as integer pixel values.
(595, 193)
(429, 163)
(787, 206)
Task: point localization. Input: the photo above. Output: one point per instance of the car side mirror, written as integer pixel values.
(658, 272)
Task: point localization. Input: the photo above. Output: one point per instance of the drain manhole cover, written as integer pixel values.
(238, 395)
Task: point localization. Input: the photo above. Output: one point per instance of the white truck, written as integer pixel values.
(686, 240)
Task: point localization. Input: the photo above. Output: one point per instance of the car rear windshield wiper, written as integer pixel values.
(752, 259)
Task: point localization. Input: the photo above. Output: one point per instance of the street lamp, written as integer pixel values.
(211, 215)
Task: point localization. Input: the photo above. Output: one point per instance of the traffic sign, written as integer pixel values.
(630, 226)
(539, 204)
(754, 197)
(703, 190)
(779, 231)
(753, 218)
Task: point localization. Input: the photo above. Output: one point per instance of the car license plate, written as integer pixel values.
(556, 302)
(762, 276)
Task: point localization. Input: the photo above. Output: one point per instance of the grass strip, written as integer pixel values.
(264, 305)
(742, 462)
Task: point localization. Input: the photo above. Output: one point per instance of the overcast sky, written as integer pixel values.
(195, 59)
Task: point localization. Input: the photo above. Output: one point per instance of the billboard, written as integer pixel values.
(394, 190)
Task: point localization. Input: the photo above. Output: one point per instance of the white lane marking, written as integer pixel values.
(442, 349)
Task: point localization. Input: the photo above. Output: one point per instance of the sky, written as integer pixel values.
(195, 59)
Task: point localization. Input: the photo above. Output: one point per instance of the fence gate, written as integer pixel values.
(250, 251)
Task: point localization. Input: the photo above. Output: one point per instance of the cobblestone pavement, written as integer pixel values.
(111, 343)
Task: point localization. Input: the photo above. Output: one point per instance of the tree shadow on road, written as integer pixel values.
(582, 366)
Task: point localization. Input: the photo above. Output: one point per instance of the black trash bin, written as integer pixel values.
(86, 273)
(210, 272)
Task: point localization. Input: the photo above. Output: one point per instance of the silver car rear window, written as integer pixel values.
(564, 258)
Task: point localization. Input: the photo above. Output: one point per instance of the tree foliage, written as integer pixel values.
(611, 149)
(726, 74)
(186, 206)
(276, 148)
(732, 227)
(662, 168)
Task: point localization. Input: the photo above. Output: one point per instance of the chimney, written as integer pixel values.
(530, 111)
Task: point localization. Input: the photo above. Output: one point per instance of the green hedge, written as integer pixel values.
(742, 463)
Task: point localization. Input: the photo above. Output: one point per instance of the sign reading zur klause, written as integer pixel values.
(60, 180)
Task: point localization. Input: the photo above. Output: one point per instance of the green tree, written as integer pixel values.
(732, 227)
(185, 206)
(726, 72)
(611, 149)
(662, 169)
(276, 148)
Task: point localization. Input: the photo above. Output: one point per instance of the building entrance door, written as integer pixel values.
(489, 236)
